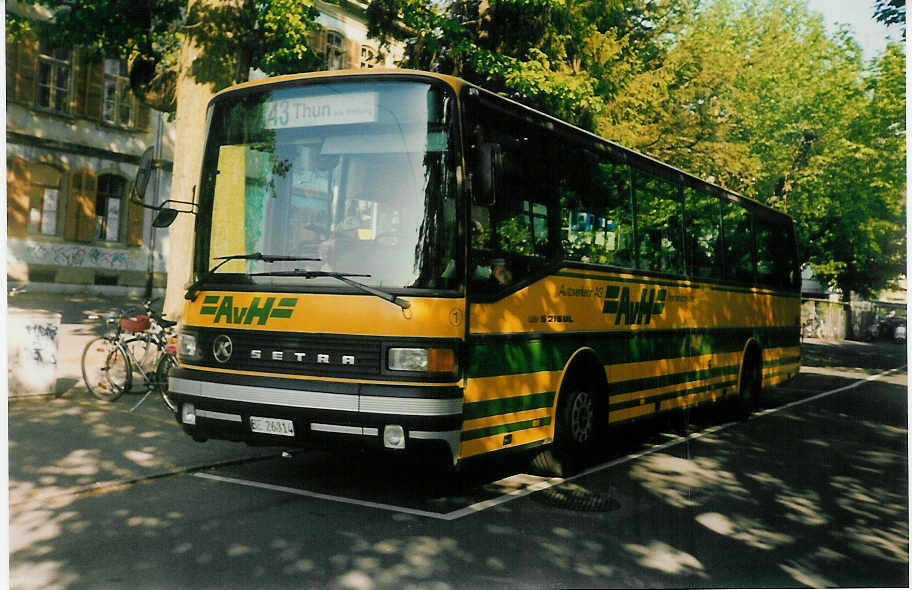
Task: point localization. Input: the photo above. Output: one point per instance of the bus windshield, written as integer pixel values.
(360, 176)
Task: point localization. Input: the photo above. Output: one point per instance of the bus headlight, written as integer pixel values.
(393, 436)
(424, 360)
(187, 349)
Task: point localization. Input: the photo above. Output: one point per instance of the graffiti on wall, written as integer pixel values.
(81, 256)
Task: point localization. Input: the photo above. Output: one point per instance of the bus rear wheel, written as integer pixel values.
(751, 383)
(574, 436)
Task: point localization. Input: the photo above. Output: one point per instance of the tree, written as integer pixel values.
(271, 35)
(891, 12)
(857, 239)
(564, 57)
(755, 95)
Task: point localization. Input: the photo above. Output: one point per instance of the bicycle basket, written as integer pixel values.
(138, 324)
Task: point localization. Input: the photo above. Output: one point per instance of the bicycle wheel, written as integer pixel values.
(160, 379)
(105, 369)
(143, 351)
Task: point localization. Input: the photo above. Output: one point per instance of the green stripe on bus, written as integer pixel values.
(786, 360)
(673, 379)
(509, 405)
(504, 429)
(675, 394)
(515, 354)
(210, 305)
(280, 313)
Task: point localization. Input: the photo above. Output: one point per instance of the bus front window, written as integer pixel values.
(359, 175)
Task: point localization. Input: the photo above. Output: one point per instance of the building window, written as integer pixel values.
(54, 73)
(335, 51)
(44, 200)
(108, 205)
(118, 102)
(368, 57)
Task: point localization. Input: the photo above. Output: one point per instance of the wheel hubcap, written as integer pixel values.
(582, 414)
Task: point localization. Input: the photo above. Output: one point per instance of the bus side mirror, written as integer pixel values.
(164, 215)
(143, 174)
(487, 173)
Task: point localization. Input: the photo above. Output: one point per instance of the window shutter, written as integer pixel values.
(12, 70)
(82, 67)
(318, 41)
(94, 89)
(79, 225)
(135, 216)
(354, 54)
(18, 181)
(143, 114)
(22, 71)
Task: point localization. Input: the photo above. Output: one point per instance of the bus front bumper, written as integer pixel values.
(394, 417)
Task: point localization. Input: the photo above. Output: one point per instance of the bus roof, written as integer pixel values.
(458, 84)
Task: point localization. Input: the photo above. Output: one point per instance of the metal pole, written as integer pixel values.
(150, 276)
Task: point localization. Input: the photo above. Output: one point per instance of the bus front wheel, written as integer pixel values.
(574, 436)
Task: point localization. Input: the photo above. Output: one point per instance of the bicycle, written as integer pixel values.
(143, 343)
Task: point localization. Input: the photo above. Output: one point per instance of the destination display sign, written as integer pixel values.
(329, 109)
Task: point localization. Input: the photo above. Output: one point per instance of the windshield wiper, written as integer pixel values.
(193, 290)
(345, 277)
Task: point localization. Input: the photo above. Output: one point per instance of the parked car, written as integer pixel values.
(891, 327)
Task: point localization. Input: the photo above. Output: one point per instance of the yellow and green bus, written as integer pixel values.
(402, 260)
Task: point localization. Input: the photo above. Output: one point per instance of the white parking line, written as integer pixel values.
(525, 484)
(319, 496)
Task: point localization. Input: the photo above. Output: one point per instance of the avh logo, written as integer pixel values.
(224, 310)
(618, 302)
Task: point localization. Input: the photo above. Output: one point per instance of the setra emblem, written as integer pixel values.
(221, 348)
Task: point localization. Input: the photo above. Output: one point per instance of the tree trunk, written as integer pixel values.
(193, 96)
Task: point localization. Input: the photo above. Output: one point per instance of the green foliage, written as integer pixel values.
(116, 28)
(854, 207)
(271, 35)
(280, 31)
(17, 27)
(891, 12)
(563, 56)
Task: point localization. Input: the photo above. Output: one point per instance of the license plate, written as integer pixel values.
(272, 426)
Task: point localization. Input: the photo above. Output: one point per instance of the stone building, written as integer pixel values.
(75, 134)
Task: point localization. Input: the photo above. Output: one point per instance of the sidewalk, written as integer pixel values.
(71, 442)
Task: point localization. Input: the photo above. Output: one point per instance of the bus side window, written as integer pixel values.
(738, 240)
(704, 234)
(775, 254)
(596, 224)
(659, 227)
(614, 179)
(524, 232)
